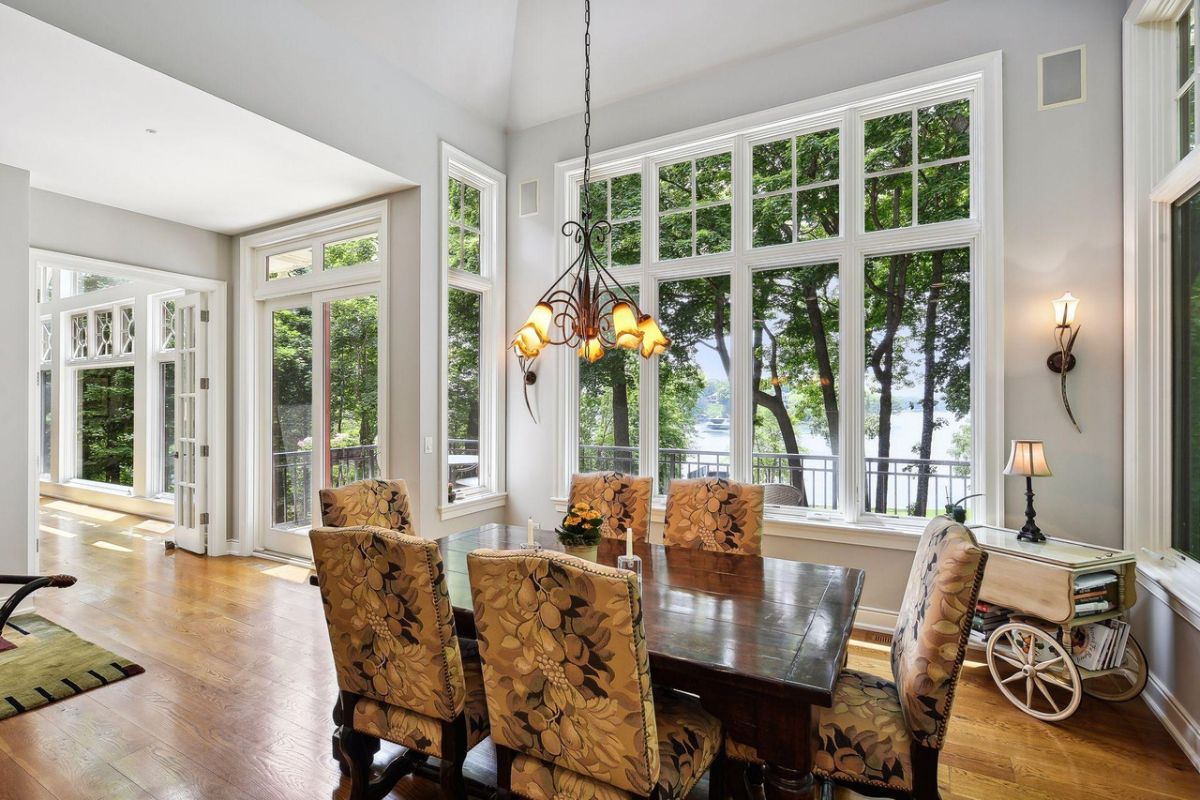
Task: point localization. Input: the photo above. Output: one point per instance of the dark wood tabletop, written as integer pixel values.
(759, 640)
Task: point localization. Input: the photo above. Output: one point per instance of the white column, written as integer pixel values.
(18, 537)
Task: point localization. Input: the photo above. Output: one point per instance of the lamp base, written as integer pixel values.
(1030, 532)
(1033, 534)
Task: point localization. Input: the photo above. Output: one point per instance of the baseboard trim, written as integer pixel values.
(1174, 717)
(879, 620)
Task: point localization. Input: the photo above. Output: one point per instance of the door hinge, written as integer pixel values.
(204, 383)
(204, 518)
(204, 451)
(204, 315)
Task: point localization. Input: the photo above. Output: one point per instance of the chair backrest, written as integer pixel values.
(565, 664)
(714, 514)
(623, 500)
(933, 627)
(390, 620)
(368, 502)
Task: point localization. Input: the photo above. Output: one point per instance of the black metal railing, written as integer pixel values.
(292, 475)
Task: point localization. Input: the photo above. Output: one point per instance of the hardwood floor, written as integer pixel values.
(235, 701)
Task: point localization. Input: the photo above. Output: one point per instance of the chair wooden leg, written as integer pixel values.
(504, 759)
(925, 772)
(718, 787)
(371, 743)
(358, 760)
(824, 789)
(454, 755)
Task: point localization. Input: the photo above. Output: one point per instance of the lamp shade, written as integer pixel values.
(1064, 309)
(591, 349)
(1028, 457)
(540, 319)
(625, 326)
(527, 341)
(653, 341)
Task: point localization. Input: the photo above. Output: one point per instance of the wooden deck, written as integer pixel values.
(235, 702)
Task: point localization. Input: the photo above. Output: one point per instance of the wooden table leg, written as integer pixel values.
(788, 784)
(785, 743)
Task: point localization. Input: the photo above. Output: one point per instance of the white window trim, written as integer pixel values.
(491, 493)
(1154, 180)
(258, 296)
(145, 496)
(979, 78)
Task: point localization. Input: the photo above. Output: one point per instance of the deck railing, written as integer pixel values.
(292, 472)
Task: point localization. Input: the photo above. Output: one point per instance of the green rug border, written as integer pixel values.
(18, 702)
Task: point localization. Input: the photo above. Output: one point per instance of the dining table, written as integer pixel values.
(759, 640)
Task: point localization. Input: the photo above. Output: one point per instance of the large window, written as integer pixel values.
(104, 424)
(473, 344)
(1185, 93)
(827, 278)
(1185, 347)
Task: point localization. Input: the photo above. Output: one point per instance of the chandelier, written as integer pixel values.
(586, 307)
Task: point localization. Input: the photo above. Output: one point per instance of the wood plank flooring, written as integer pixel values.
(235, 701)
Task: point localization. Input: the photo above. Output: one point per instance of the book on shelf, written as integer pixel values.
(1093, 607)
(1094, 581)
(1099, 645)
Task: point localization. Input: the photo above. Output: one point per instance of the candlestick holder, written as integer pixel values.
(631, 563)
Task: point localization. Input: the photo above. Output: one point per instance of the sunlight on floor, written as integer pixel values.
(154, 526)
(57, 532)
(289, 572)
(88, 512)
(103, 545)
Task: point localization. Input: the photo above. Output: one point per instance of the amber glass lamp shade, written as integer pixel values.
(1028, 458)
(527, 341)
(653, 341)
(592, 349)
(540, 319)
(625, 326)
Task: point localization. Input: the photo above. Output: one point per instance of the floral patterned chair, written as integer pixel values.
(567, 678)
(624, 500)
(714, 514)
(403, 674)
(882, 738)
(368, 502)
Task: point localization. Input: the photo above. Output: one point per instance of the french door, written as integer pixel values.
(321, 419)
(191, 423)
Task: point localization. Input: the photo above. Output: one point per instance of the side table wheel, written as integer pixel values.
(1126, 681)
(1034, 671)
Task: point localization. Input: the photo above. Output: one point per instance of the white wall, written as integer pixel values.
(16, 404)
(1062, 182)
(282, 61)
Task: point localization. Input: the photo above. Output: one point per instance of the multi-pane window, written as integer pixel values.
(463, 227)
(79, 336)
(290, 264)
(166, 444)
(472, 406)
(104, 424)
(351, 252)
(608, 411)
(46, 342)
(618, 200)
(822, 321)
(166, 324)
(795, 188)
(1185, 81)
(917, 166)
(917, 404)
(794, 384)
(695, 207)
(104, 333)
(76, 282)
(1185, 390)
(127, 331)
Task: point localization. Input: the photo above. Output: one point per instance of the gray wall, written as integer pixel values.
(16, 411)
(339, 93)
(1062, 185)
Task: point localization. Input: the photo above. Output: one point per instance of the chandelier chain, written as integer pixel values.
(587, 107)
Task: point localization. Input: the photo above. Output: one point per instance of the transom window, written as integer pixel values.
(820, 278)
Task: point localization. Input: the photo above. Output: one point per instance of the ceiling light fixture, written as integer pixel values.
(586, 307)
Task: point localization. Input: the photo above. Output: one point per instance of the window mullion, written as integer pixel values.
(851, 356)
(741, 405)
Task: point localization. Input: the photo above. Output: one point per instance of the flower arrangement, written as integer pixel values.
(580, 527)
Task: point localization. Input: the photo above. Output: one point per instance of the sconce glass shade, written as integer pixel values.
(527, 341)
(1028, 457)
(653, 341)
(1064, 310)
(592, 349)
(625, 327)
(540, 320)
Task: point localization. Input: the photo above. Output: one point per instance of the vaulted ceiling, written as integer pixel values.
(519, 62)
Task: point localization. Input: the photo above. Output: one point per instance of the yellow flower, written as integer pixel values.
(573, 520)
(581, 507)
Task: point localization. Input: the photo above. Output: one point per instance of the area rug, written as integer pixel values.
(50, 663)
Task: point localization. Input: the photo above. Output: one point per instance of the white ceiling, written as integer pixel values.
(520, 62)
(75, 115)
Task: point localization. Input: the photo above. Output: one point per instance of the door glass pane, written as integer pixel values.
(45, 409)
(918, 381)
(291, 416)
(795, 392)
(694, 407)
(608, 410)
(166, 387)
(352, 395)
(1185, 353)
(463, 390)
(105, 425)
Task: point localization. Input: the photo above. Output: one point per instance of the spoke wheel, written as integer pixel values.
(1126, 681)
(1034, 671)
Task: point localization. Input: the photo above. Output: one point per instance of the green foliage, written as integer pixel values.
(354, 371)
(463, 364)
(291, 379)
(352, 252)
(462, 233)
(106, 425)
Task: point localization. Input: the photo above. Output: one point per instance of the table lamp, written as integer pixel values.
(1028, 458)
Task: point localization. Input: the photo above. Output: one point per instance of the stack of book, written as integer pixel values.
(1094, 593)
(987, 618)
(1099, 645)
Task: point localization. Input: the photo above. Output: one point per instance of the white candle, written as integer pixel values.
(629, 542)
(529, 532)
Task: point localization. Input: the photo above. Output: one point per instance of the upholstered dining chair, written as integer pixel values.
(714, 514)
(368, 502)
(623, 500)
(567, 677)
(882, 737)
(403, 674)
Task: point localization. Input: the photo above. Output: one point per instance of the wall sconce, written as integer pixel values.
(1062, 360)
